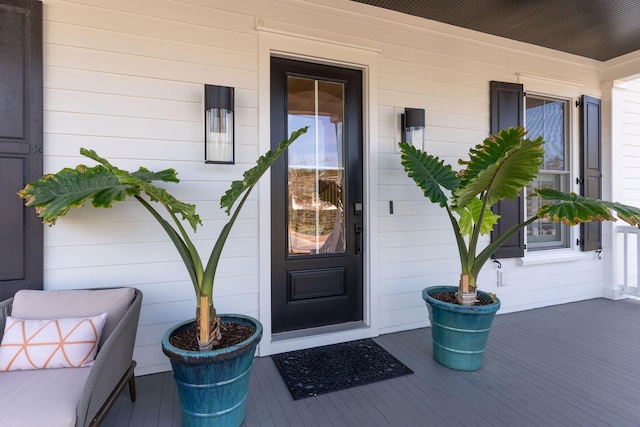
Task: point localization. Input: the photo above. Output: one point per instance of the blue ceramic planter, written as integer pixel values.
(459, 333)
(213, 385)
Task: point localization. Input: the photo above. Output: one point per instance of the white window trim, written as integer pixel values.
(551, 256)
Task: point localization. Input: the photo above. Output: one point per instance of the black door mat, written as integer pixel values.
(335, 367)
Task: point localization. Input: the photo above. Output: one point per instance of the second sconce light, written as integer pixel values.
(413, 127)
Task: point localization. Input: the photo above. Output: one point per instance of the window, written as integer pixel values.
(549, 118)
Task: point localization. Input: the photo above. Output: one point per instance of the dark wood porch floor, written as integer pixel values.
(576, 364)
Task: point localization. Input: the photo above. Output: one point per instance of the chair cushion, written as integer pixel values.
(39, 398)
(43, 305)
(56, 343)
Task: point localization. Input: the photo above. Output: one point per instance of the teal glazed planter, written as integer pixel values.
(459, 333)
(213, 385)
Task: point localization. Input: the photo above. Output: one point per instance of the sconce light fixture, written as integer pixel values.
(218, 124)
(413, 127)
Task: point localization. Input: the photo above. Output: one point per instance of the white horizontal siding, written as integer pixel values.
(125, 78)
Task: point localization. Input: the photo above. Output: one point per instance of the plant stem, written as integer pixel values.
(204, 319)
(462, 245)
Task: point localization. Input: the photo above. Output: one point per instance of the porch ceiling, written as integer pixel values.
(596, 29)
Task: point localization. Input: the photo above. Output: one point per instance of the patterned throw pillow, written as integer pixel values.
(56, 343)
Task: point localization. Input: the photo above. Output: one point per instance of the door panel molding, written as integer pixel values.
(307, 284)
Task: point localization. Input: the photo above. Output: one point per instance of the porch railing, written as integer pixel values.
(630, 260)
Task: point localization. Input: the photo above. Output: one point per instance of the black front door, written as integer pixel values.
(20, 143)
(316, 196)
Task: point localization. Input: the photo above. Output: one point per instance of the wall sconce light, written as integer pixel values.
(218, 124)
(413, 127)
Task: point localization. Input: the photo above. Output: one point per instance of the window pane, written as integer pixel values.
(543, 230)
(316, 170)
(546, 118)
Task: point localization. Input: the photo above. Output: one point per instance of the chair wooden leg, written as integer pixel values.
(132, 387)
(128, 377)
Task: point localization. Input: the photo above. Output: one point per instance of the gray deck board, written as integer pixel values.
(574, 364)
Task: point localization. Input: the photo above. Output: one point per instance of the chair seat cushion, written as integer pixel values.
(39, 398)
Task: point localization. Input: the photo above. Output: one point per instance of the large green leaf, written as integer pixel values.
(499, 168)
(429, 173)
(251, 176)
(470, 215)
(143, 174)
(629, 214)
(490, 152)
(103, 185)
(54, 194)
(141, 181)
(572, 209)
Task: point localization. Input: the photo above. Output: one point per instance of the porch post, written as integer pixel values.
(612, 139)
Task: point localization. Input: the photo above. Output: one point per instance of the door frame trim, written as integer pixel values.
(335, 53)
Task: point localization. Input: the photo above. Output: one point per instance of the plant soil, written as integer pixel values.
(232, 334)
(450, 297)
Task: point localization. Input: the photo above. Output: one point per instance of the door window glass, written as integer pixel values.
(315, 167)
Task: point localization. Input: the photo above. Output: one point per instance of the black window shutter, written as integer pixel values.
(590, 167)
(507, 110)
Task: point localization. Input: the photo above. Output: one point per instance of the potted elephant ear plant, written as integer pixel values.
(211, 368)
(497, 169)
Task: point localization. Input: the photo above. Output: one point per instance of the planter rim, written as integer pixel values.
(426, 295)
(189, 356)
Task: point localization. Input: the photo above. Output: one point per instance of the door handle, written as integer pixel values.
(358, 231)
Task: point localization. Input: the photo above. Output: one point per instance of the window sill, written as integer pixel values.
(552, 256)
